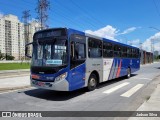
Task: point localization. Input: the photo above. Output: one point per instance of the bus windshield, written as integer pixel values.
(49, 53)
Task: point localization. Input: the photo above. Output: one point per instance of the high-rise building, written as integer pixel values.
(11, 36)
(32, 27)
(2, 35)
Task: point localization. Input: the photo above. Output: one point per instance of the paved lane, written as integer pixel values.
(115, 95)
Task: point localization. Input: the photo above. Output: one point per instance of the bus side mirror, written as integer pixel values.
(27, 49)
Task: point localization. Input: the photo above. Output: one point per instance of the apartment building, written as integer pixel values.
(12, 35)
(30, 29)
(33, 27)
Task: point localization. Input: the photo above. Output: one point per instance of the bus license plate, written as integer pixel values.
(40, 84)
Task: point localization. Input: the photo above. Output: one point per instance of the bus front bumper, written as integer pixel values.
(61, 85)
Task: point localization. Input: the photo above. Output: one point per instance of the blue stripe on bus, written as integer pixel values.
(76, 77)
(119, 71)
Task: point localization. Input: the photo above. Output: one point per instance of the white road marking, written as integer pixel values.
(142, 78)
(132, 90)
(146, 78)
(116, 88)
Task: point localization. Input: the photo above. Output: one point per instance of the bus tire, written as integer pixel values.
(92, 82)
(128, 73)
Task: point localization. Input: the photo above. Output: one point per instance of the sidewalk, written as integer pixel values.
(13, 71)
(153, 104)
(149, 63)
(14, 79)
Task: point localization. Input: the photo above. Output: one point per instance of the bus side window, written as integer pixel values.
(124, 52)
(117, 51)
(94, 48)
(133, 52)
(129, 52)
(80, 51)
(107, 49)
(77, 50)
(137, 53)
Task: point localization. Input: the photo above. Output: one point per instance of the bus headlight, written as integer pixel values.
(61, 77)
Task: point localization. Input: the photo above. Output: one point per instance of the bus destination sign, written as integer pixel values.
(52, 33)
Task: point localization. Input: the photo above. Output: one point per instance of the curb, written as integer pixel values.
(14, 88)
(22, 75)
(14, 71)
(151, 104)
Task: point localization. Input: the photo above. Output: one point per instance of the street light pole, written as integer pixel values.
(153, 40)
(152, 47)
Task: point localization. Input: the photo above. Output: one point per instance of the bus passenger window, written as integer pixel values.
(124, 52)
(107, 50)
(129, 52)
(94, 48)
(79, 51)
(117, 51)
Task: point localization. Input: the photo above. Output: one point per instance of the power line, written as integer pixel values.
(11, 8)
(87, 21)
(65, 19)
(156, 7)
(69, 20)
(89, 15)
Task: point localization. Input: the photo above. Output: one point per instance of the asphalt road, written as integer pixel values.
(115, 95)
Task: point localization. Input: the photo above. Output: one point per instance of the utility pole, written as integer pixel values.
(141, 52)
(152, 47)
(42, 8)
(26, 16)
(153, 40)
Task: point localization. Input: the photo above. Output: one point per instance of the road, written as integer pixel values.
(14, 74)
(115, 95)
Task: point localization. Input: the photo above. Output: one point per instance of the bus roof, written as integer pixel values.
(103, 39)
(70, 30)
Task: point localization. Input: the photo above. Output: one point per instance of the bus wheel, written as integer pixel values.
(128, 73)
(92, 82)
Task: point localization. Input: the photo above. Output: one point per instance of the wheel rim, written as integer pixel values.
(92, 83)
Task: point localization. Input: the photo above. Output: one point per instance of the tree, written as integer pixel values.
(2, 56)
(158, 57)
(9, 57)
